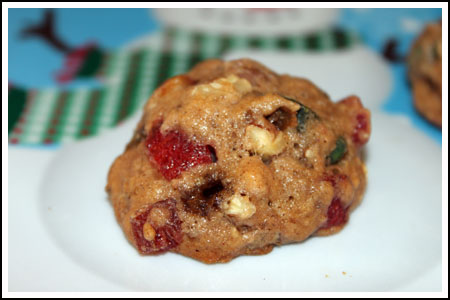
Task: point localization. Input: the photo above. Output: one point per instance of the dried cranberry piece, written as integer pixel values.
(166, 229)
(361, 132)
(337, 214)
(174, 153)
(361, 120)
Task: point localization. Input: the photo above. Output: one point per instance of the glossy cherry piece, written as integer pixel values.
(174, 153)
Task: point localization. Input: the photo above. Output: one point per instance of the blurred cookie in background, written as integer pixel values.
(425, 72)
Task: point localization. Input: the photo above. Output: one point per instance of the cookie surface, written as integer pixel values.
(232, 159)
(425, 73)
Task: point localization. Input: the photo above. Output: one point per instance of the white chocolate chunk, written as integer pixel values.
(243, 86)
(231, 78)
(230, 84)
(216, 85)
(240, 206)
(264, 142)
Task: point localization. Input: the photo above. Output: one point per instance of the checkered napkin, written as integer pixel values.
(50, 116)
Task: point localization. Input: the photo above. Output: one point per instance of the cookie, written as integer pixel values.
(425, 73)
(232, 159)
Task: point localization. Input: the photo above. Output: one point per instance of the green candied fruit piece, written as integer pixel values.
(304, 114)
(338, 152)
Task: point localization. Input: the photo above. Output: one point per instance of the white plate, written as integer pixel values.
(68, 239)
(392, 239)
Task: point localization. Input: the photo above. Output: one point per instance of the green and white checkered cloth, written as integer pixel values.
(57, 116)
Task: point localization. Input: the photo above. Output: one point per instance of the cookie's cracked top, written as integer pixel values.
(232, 158)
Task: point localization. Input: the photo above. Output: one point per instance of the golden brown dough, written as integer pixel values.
(232, 158)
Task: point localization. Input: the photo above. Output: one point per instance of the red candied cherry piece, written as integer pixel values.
(337, 214)
(166, 236)
(361, 118)
(174, 153)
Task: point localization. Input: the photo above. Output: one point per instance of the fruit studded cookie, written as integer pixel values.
(425, 73)
(232, 159)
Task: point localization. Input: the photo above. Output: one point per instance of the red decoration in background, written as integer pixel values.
(83, 61)
(73, 63)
